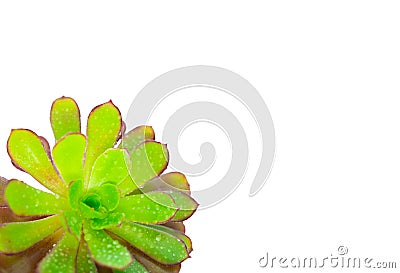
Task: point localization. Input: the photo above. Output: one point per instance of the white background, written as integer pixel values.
(328, 71)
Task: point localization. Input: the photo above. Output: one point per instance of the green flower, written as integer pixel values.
(109, 209)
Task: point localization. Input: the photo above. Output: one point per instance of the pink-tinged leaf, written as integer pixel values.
(103, 131)
(62, 257)
(65, 117)
(84, 263)
(179, 226)
(111, 166)
(158, 245)
(27, 261)
(27, 152)
(12, 241)
(136, 136)
(8, 216)
(176, 180)
(68, 156)
(106, 251)
(154, 208)
(25, 200)
(186, 204)
(167, 182)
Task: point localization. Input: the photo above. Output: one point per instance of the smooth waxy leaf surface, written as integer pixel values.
(109, 196)
(149, 160)
(84, 263)
(25, 200)
(68, 155)
(73, 222)
(75, 194)
(112, 220)
(89, 212)
(134, 137)
(105, 250)
(153, 266)
(62, 257)
(27, 152)
(159, 245)
(186, 204)
(103, 131)
(155, 207)
(167, 182)
(111, 166)
(27, 261)
(65, 117)
(12, 241)
(176, 234)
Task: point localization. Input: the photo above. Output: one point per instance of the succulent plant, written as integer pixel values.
(108, 207)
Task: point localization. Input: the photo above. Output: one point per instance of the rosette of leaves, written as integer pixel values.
(108, 207)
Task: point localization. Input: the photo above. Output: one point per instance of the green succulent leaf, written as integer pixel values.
(149, 159)
(111, 209)
(74, 222)
(63, 256)
(109, 195)
(7, 216)
(186, 204)
(68, 155)
(84, 263)
(176, 234)
(112, 220)
(75, 194)
(135, 267)
(103, 131)
(28, 153)
(27, 261)
(12, 240)
(153, 266)
(174, 181)
(25, 200)
(159, 245)
(137, 135)
(151, 208)
(90, 212)
(106, 251)
(65, 117)
(111, 166)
